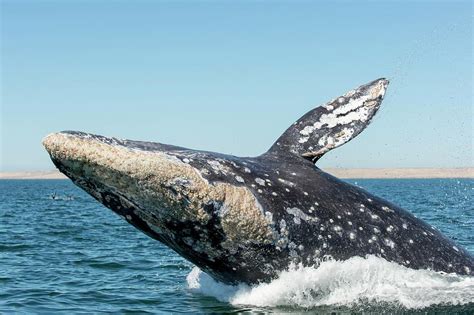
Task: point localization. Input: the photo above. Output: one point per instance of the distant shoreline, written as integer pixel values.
(375, 173)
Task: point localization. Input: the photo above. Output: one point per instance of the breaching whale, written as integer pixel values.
(245, 219)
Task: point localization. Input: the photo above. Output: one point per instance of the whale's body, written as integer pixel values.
(246, 219)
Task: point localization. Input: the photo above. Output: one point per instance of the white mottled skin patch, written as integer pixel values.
(299, 215)
(387, 209)
(286, 182)
(388, 242)
(356, 109)
(218, 167)
(334, 123)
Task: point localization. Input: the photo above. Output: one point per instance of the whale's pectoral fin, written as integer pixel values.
(333, 124)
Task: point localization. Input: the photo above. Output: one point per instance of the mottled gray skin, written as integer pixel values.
(312, 214)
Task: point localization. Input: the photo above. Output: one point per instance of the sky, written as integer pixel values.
(232, 76)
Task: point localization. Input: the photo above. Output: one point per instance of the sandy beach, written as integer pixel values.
(467, 172)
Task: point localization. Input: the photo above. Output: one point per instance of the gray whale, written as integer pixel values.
(244, 219)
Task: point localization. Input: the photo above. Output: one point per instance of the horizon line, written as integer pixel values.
(341, 172)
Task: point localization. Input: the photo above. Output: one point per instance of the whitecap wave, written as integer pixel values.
(356, 281)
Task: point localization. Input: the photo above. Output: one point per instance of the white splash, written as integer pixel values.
(356, 281)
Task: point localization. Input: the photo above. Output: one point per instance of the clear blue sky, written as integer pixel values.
(232, 76)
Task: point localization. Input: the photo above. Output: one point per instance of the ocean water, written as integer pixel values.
(72, 255)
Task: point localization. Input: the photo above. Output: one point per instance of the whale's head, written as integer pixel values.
(194, 202)
(225, 214)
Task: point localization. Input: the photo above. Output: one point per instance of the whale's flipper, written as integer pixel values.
(333, 124)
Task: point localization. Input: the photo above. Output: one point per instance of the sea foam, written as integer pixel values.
(356, 281)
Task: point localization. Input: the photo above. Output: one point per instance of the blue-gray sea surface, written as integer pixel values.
(72, 255)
